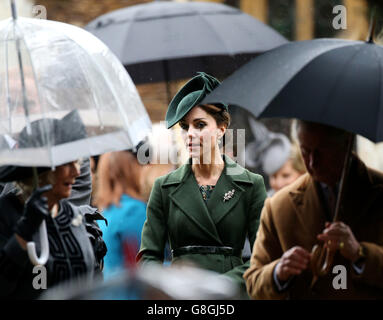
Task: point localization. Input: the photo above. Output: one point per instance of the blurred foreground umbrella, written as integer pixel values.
(49, 69)
(149, 282)
(330, 81)
(164, 41)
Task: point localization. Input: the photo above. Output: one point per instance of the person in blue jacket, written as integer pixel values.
(119, 196)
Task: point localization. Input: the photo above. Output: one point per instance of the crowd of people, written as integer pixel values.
(112, 212)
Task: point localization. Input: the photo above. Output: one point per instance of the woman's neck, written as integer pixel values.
(53, 207)
(208, 172)
(55, 210)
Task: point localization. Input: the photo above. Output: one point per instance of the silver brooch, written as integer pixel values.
(76, 221)
(228, 195)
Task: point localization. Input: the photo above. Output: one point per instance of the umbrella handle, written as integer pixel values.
(322, 259)
(321, 262)
(31, 247)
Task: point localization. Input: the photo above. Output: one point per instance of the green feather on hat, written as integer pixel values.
(190, 95)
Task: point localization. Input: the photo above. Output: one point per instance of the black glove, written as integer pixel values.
(35, 211)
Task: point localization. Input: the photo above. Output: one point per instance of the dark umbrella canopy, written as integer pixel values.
(330, 81)
(182, 38)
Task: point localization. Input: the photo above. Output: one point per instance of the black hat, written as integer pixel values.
(44, 132)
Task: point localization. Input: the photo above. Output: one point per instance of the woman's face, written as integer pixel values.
(64, 177)
(284, 176)
(200, 134)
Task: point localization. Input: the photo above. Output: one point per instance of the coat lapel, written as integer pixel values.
(188, 198)
(216, 205)
(306, 201)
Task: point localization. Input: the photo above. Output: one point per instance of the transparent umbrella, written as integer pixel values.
(49, 69)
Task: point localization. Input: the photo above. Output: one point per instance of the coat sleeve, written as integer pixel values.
(14, 260)
(91, 216)
(82, 188)
(372, 263)
(258, 197)
(154, 232)
(265, 256)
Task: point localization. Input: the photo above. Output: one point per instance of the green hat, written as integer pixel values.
(190, 95)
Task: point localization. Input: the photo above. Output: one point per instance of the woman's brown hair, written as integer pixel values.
(118, 174)
(221, 116)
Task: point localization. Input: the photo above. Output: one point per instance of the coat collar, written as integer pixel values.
(304, 194)
(188, 198)
(232, 169)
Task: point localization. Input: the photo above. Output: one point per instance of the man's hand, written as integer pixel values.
(338, 235)
(292, 263)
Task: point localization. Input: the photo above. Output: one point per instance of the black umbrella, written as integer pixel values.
(331, 81)
(164, 41)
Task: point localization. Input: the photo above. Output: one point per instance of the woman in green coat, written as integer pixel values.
(206, 207)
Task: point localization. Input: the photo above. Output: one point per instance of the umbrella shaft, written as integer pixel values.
(22, 78)
(345, 172)
(35, 178)
(13, 8)
(21, 67)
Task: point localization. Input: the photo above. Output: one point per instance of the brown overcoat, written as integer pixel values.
(297, 214)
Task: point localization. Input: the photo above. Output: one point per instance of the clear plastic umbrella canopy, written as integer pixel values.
(66, 76)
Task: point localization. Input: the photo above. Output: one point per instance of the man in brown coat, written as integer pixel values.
(298, 217)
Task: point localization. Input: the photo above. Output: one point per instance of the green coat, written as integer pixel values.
(176, 212)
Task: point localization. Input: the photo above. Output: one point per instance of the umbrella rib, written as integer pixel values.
(230, 52)
(114, 93)
(127, 32)
(94, 98)
(7, 84)
(165, 16)
(338, 77)
(45, 124)
(22, 79)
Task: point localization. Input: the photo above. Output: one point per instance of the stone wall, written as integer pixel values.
(24, 8)
(81, 12)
